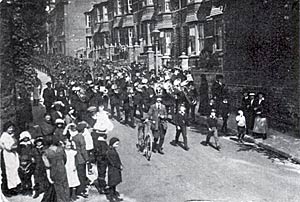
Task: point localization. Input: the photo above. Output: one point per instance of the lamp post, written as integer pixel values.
(155, 34)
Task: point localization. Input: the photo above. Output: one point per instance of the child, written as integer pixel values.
(27, 166)
(212, 124)
(114, 169)
(181, 122)
(72, 175)
(241, 125)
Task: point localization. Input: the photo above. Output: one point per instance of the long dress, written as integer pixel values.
(55, 158)
(10, 162)
(72, 174)
(260, 125)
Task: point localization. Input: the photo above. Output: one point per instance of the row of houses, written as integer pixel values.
(138, 30)
(253, 43)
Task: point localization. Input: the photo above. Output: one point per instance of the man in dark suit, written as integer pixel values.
(158, 115)
(49, 96)
(181, 121)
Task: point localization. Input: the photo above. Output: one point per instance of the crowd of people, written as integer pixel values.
(61, 153)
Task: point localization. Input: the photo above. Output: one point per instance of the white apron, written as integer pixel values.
(72, 175)
(11, 161)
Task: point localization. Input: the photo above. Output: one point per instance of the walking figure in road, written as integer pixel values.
(241, 125)
(49, 96)
(114, 169)
(212, 124)
(158, 114)
(181, 121)
(225, 113)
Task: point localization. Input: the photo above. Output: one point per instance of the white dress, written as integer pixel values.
(11, 160)
(103, 122)
(71, 168)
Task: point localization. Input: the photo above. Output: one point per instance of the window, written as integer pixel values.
(168, 42)
(219, 34)
(167, 6)
(201, 37)
(88, 20)
(88, 42)
(119, 10)
(129, 6)
(105, 13)
(98, 15)
(192, 39)
(130, 36)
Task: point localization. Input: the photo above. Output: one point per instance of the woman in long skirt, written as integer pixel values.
(260, 125)
(55, 159)
(9, 160)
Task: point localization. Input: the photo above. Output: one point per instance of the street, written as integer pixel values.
(239, 172)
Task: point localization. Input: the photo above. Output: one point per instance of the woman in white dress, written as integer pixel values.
(9, 160)
(72, 175)
(102, 119)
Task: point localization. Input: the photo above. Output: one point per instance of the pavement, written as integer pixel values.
(286, 145)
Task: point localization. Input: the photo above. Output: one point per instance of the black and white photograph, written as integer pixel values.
(149, 101)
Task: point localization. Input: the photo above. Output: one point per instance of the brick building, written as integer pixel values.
(139, 30)
(262, 53)
(67, 27)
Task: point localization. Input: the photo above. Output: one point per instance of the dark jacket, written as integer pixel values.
(154, 113)
(225, 109)
(82, 155)
(212, 122)
(115, 98)
(49, 96)
(181, 120)
(114, 167)
(100, 150)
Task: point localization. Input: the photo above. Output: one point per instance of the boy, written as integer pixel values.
(212, 123)
(114, 169)
(181, 122)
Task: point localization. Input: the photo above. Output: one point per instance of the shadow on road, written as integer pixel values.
(245, 147)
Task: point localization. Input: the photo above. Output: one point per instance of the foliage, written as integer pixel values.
(23, 31)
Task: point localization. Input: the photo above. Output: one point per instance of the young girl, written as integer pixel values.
(71, 168)
(114, 168)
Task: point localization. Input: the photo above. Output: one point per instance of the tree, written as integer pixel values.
(23, 30)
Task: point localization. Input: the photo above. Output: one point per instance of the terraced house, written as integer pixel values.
(156, 31)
